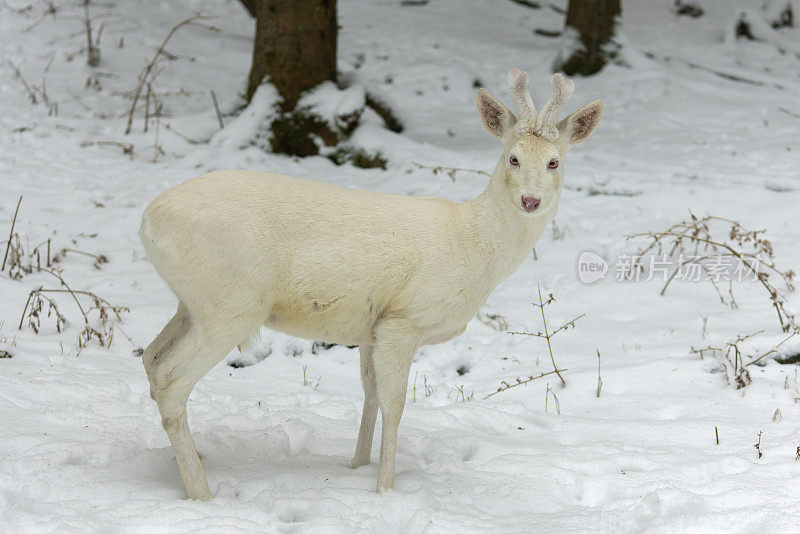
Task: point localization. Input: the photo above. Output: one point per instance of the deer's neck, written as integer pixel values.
(499, 237)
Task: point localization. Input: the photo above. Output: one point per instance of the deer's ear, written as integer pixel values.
(579, 125)
(497, 118)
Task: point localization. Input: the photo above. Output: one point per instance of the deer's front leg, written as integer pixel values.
(395, 346)
(370, 412)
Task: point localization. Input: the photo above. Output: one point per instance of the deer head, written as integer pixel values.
(535, 144)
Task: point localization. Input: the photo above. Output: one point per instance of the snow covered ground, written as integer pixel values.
(81, 447)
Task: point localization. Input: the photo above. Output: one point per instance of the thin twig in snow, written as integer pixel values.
(449, 171)
(21, 78)
(505, 385)
(216, 108)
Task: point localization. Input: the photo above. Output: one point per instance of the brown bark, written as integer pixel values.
(250, 6)
(295, 45)
(595, 21)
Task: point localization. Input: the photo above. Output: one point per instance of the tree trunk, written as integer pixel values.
(295, 45)
(250, 6)
(594, 21)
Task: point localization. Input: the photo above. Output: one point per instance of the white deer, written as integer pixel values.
(388, 273)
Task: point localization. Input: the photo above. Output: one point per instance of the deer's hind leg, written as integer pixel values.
(186, 349)
(173, 331)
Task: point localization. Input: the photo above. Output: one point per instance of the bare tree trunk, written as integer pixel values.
(250, 6)
(594, 21)
(295, 45)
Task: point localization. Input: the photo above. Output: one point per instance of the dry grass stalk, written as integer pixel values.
(494, 321)
(41, 304)
(307, 382)
(758, 445)
(146, 75)
(599, 380)
(21, 78)
(17, 10)
(92, 52)
(38, 302)
(99, 259)
(170, 128)
(217, 110)
(11, 234)
(147, 106)
(17, 266)
(21, 263)
(464, 397)
(35, 303)
(428, 389)
(127, 148)
(555, 398)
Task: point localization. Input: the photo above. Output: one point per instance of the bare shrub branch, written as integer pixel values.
(547, 335)
(520, 381)
(749, 247)
(731, 358)
(774, 349)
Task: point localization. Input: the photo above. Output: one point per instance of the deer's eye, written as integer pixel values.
(513, 161)
(553, 164)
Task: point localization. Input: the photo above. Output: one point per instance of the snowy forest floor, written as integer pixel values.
(81, 446)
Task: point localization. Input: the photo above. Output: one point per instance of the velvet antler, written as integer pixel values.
(542, 124)
(518, 87)
(562, 91)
